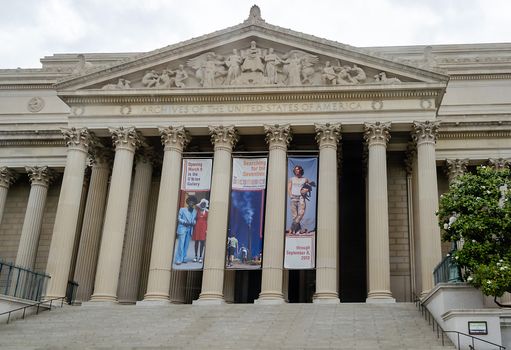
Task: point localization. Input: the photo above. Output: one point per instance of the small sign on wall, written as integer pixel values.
(477, 328)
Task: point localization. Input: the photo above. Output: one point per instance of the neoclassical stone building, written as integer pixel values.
(91, 147)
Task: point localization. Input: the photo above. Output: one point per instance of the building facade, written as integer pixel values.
(92, 149)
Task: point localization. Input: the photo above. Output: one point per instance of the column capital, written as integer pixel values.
(145, 154)
(278, 136)
(411, 153)
(328, 135)
(79, 139)
(125, 138)
(499, 163)
(224, 137)
(174, 137)
(40, 175)
(425, 132)
(455, 168)
(7, 176)
(377, 133)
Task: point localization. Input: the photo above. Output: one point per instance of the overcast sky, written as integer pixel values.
(32, 29)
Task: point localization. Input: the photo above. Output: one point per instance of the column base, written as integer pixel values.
(152, 302)
(326, 300)
(270, 301)
(157, 297)
(380, 299)
(103, 298)
(208, 301)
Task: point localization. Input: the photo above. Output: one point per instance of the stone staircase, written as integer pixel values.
(231, 326)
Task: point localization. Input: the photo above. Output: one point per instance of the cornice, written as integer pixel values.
(459, 135)
(32, 138)
(482, 76)
(249, 95)
(29, 86)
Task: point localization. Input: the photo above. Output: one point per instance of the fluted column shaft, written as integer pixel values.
(278, 138)
(174, 140)
(109, 260)
(7, 178)
(424, 134)
(224, 139)
(377, 136)
(327, 274)
(40, 178)
(91, 229)
(132, 257)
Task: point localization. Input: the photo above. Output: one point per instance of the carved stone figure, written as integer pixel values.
(207, 67)
(121, 85)
(357, 75)
(82, 65)
(165, 81)
(233, 63)
(293, 66)
(272, 61)
(299, 64)
(180, 77)
(329, 75)
(252, 59)
(382, 78)
(150, 79)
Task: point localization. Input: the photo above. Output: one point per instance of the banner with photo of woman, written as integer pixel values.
(245, 230)
(299, 252)
(191, 228)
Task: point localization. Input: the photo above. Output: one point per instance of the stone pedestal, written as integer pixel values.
(377, 136)
(224, 139)
(174, 140)
(424, 135)
(327, 274)
(278, 138)
(91, 227)
(40, 178)
(126, 141)
(132, 256)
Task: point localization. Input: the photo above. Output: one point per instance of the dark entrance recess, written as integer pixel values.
(247, 286)
(352, 223)
(302, 285)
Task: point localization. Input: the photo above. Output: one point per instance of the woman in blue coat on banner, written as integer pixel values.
(186, 220)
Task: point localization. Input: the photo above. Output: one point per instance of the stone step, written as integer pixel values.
(231, 326)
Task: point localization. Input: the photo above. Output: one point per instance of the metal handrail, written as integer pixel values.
(38, 304)
(448, 270)
(440, 331)
(20, 282)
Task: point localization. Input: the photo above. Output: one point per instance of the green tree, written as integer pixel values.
(476, 213)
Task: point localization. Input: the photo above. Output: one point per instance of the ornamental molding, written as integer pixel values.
(125, 137)
(484, 76)
(7, 176)
(455, 168)
(278, 135)
(77, 138)
(499, 163)
(40, 175)
(425, 132)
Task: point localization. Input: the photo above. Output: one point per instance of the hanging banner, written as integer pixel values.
(299, 252)
(245, 230)
(192, 217)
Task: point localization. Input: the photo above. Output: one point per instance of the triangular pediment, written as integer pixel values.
(251, 54)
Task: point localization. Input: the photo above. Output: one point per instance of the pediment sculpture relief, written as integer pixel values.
(254, 66)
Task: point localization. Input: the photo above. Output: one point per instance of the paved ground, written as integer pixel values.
(291, 326)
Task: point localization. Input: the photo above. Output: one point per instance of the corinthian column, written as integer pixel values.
(327, 275)
(424, 135)
(377, 136)
(224, 138)
(125, 140)
(132, 257)
(66, 219)
(455, 168)
(174, 140)
(278, 138)
(92, 222)
(40, 178)
(7, 178)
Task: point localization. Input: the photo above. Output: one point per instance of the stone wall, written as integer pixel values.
(398, 229)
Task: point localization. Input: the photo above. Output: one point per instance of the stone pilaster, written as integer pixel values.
(174, 140)
(40, 178)
(7, 178)
(224, 138)
(424, 135)
(126, 141)
(377, 135)
(92, 222)
(278, 138)
(328, 137)
(455, 168)
(132, 257)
